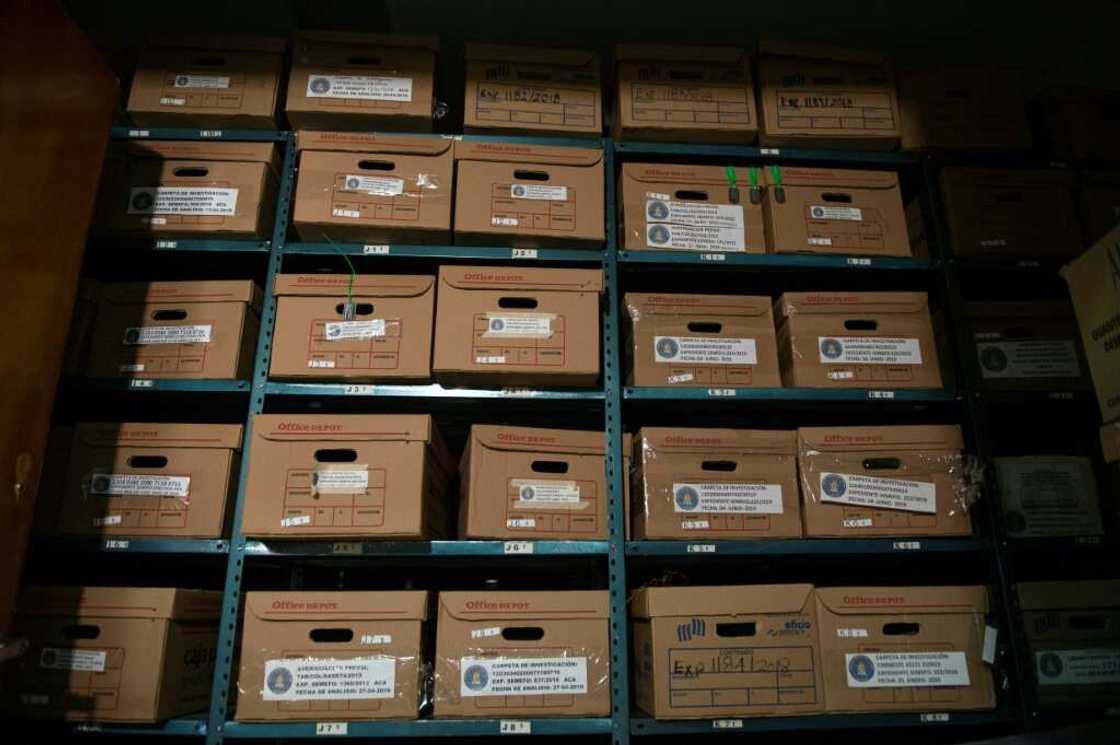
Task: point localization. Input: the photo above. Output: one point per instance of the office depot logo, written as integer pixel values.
(305, 427)
(299, 605)
(509, 437)
(490, 605)
(492, 277)
(874, 600)
(852, 439)
(677, 440)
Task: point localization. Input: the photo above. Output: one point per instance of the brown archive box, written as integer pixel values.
(114, 654)
(207, 81)
(831, 211)
(1048, 496)
(357, 187)
(346, 476)
(528, 195)
(188, 188)
(158, 480)
(715, 483)
(517, 326)
(685, 93)
(1073, 634)
(361, 82)
(675, 206)
(1030, 346)
(736, 651)
(701, 340)
(1080, 123)
(185, 330)
(812, 95)
(540, 654)
(883, 481)
(1004, 213)
(1099, 203)
(535, 89)
(388, 338)
(857, 340)
(332, 655)
(904, 648)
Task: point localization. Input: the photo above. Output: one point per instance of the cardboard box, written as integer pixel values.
(701, 340)
(1027, 346)
(362, 82)
(1099, 203)
(529, 195)
(388, 338)
(736, 651)
(360, 187)
(857, 340)
(158, 480)
(818, 96)
(883, 481)
(52, 482)
(1073, 634)
(715, 483)
(341, 656)
(517, 326)
(1048, 495)
(1094, 285)
(1003, 213)
(207, 81)
(189, 188)
(538, 654)
(78, 340)
(535, 89)
(349, 476)
(904, 648)
(832, 211)
(185, 330)
(114, 654)
(1080, 124)
(673, 206)
(960, 107)
(684, 93)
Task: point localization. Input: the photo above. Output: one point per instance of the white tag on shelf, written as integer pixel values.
(371, 249)
(700, 548)
(514, 727)
(331, 728)
(939, 717)
(727, 724)
(523, 253)
(517, 547)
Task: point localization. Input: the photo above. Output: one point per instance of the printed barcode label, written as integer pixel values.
(935, 717)
(907, 545)
(331, 728)
(854, 261)
(167, 244)
(375, 250)
(713, 257)
(517, 547)
(727, 724)
(140, 383)
(523, 253)
(357, 390)
(721, 392)
(514, 727)
(348, 548)
(701, 548)
(880, 394)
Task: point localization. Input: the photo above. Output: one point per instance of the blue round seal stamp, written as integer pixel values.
(658, 235)
(320, 85)
(834, 485)
(668, 348)
(280, 680)
(657, 210)
(861, 668)
(832, 348)
(1050, 665)
(475, 677)
(687, 498)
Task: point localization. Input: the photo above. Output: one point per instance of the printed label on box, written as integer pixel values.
(199, 334)
(519, 325)
(1078, 666)
(364, 87)
(342, 680)
(201, 81)
(534, 491)
(203, 201)
(340, 480)
(172, 101)
(1048, 496)
(139, 485)
(869, 350)
(522, 676)
(339, 330)
(1029, 359)
(906, 669)
(832, 212)
(748, 499)
(539, 191)
(880, 493)
(694, 226)
(705, 350)
(82, 660)
(378, 186)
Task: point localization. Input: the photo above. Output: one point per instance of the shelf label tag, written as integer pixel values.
(713, 257)
(907, 545)
(856, 261)
(935, 718)
(700, 548)
(727, 724)
(116, 545)
(517, 547)
(357, 390)
(140, 383)
(138, 133)
(371, 249)
(514, 727)
(331, 728)
(523, 253)
(721, 392)
(347, 549)
(880, 394)
(167, 244)
(770, 151)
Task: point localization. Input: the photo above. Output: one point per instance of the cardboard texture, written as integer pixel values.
(737, 651)
(701, 340)
(1003, 213)
(904, 648)
(532, 89)
(202, 82)
(883, 481)
(517, 326)
(158, 480)
(1080, 124)
(857, 340)
(715, 483)
(1048, 496)
(52, 482)
(1099, 199)
(79, 338)
(1027, 346)
(350, 476)
(361, 82)
(528, 195)
(817, 96)
(675, 206)
(832, 211)
(360, 187)
(184, 330)
(1073, 634)
(1094, 286)
(189, 188)
(388, 338)
(150, 658)
(539, 654)
(1110, 442)
(684, 93)
(339, 656)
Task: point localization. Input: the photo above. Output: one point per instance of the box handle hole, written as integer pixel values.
(147, 461)
(719, 465)
(360, 309)
(191, 171)
(684, 75)
(517, 302)
(1087, 623)
(549, 466)
(531, 175)
(178, 314)
(522, 633)
(533, 75)
(861, 324)
(376, 165)
(209, 61)
(735, 629)
(882, 464)
(901, 628)
(81, 631)
(363, 60)
(837, 197)
(691, 195)
(336, 455)
(705, 327)
(331, 636)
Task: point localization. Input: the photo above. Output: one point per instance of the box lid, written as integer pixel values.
(822, 303)
(1039, 309)
(373, 142)
(876, 439)
(146, 435)
(342, 428)
(338, 606)
(1007, 177)
(538, 440)
(808, 50)
(217, 291)
(225, 42)
(838, 178)
(519, 278)
(484, 605)
(729, 600)
(369, 40)
(514, 152)
(686, 173)
(1110, 442)
(121, 602)
(873, 601)
(566, 57)
(638, 305)
(365, 285)
(697, 440)
(1069, 595)
(238, 152)
(679, 53)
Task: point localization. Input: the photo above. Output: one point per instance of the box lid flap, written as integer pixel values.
(373, 142)
(226, 42)
(684, 173)
(838, 178)
(873, 601)
(368, 40)
(566, 57)
(515, 152)
(696, 440)
(934, 437)
(146, 435)
(218, 291)
(852, 303)
(1069, 595)
(1110, 442)
(679, 53)
(121, 602)
(338, 606)
(640, 305)
(731, 600)
(538, 440)
(365, 285)
(237, 152)
(808, 50)
(351, 427)
(524, 606)
(521, 278)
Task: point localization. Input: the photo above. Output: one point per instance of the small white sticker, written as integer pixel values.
(182, 200)
(518, 547)
(505, 222)
(879, 493)
(522, 676)
(728, 498)
(658, 195)
(700, 548)
(540, 491)
(938, 718)
(856, 522)
(316, 364)
(682, 378)
(694, 525)
(328, 729)
(840, 374)
(116, 545)
(81, 660)
(201, 81)
(521, 522)
(196, 334)
(727, 724)
(371, 249)
(705, 350)
(139, 133)
(851, 633)
(490, 359)
(376, 186)
(141, 382)
(209, 133)
(376, 640)
(523, 253)
(1034, 358)
(107, 520)
(139, 485)
(1078, 666)
(172, 101)
(311, 679)
(339, 212)
(486, 633)
(818, 241)
(347, 548)
(832, 212)
(359, 87)
(869, 350)
(518, 325)
(514, 727)
(340, 330)
(993, 242)
(154, 220)
(721, 392)
(539, 191)
(291, 522)
(853, 261)
(880, 394)
(906, 669)
(358, 390)
(988, 653)
(694, 226)
(907, 546)
(770, 151)
(713, 257)
(163, 243)
(340, 480)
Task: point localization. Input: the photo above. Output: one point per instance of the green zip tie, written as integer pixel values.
(732, 179)
(348, 310)
(776, 174)
(752, 174)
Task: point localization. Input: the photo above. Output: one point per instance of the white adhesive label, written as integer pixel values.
(682, 378)
(340, 212)
(522, 676)
(819, 241)
(339, 330)
(373, 640)
(320, 363)
(378, 186)
(744, 499)
(139, 485)
(518, 325)
(521, 522)
(515, 727)
(352, 480)
(878, 493)
(1029, 359)
(1078, 666)
(857, 522)
(694, 226)
(694, 525)
(486, 633)
(851, 633)
(107, 520)
(327, 729)
(869, 350)
(704, 350)
(363, 87)
(82, 660)
(201, 81)
(505, 222)
(533, 491)
(182, 200)
(832, 212)
(539, 191)
(310, 679)
(490, 359)
(197, 334)
(291, 522)
(906, 669)
(172, 101)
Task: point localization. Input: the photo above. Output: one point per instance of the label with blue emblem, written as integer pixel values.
(748, 499)
(705, 350)
(694, 225)
(308, 679)
(869, 350)
(522, 676)
(878, 493)
(906, 669)
(1078, 666)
